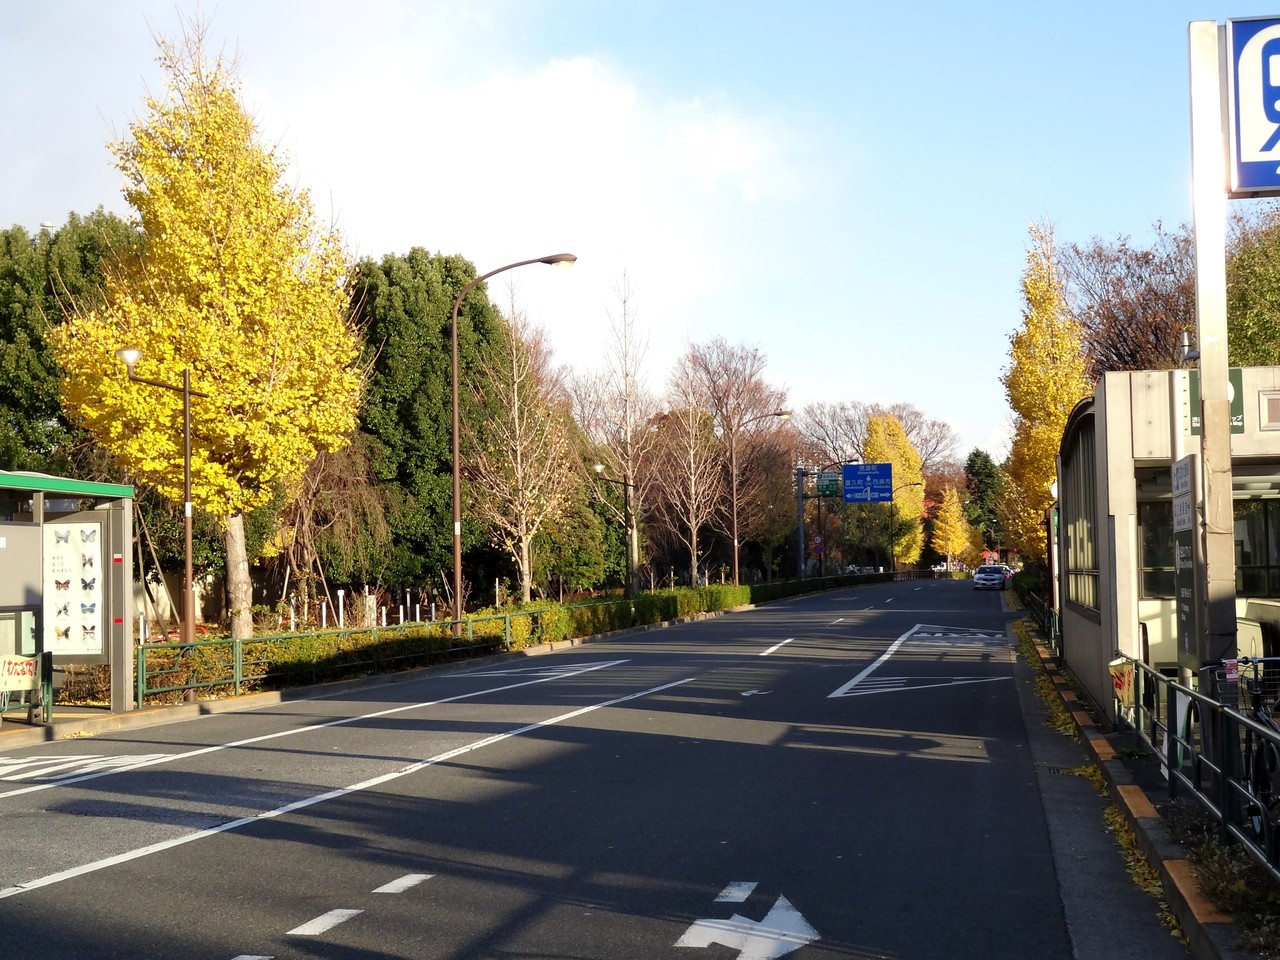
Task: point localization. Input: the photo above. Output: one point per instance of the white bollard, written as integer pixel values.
(293, 618)
(324, 614)
(384, 616)
(402, 613)
(417, 613)
(342, 620)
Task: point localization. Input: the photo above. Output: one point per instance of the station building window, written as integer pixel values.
(1257, 544)
(1155, 558)
(1079, 519)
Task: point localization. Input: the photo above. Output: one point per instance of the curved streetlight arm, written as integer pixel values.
(565, 259)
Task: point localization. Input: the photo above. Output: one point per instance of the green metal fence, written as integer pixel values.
(1046, 618)
(231, 667)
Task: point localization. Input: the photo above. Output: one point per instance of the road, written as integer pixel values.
(842, 775)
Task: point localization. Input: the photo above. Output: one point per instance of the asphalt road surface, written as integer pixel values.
(861, 773)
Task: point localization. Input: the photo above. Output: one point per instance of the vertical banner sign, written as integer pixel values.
(73, 588)
(1184, 566)
(1253, 98)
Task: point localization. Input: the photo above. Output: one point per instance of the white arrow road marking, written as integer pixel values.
(896, 684)
(404, 883)
(780, 932)
(777, 646)
(736, 892)
(326, 921)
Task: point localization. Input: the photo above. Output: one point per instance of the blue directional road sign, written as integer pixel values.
(868, 482)
(1253, 106)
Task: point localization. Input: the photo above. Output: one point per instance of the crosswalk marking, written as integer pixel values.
(59, 768)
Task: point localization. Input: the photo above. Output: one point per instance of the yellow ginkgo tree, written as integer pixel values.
(236, 284)
(951, 532)
(887, 442)
(1046, 378)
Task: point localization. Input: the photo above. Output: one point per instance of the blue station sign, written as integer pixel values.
(868, 483)
(1253, 106)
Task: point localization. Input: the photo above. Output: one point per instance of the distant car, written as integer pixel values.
(990, 577)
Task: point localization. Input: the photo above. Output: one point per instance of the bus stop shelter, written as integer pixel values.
(66, 575)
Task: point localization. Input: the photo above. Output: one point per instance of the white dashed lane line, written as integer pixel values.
(324, 922)
(404, 883)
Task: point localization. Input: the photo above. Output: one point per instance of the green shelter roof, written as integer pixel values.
(44, 483)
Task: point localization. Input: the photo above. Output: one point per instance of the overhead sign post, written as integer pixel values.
(1252, 126)
(868, 483)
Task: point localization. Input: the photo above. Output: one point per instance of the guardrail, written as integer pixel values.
(1199, 741)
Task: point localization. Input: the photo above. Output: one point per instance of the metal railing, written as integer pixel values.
(235, 666)
(1201, 745)
(1046, 618)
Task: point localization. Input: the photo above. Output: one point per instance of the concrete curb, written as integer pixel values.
(1210, 933)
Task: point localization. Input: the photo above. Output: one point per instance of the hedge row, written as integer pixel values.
(298, 658)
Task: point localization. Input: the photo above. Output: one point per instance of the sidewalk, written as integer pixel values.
(1140, 792)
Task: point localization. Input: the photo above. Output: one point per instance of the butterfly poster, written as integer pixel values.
(74, 587)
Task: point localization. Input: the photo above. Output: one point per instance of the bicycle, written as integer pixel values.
(1249, 686)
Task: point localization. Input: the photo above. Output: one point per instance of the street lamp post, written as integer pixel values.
(565, 259)
(130, 356)
(629, 521)
(733, 478)
(893, 526)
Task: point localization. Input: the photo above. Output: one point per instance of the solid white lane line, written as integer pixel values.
(893, 648)
(777, 646)
(326, 921)
(146, 851)
(736, 892)
(247, 956)
(153, 759)
(404, 883)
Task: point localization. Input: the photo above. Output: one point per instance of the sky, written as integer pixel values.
(845, 186)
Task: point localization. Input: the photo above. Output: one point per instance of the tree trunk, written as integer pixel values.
(239, 589)
(526, 571)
